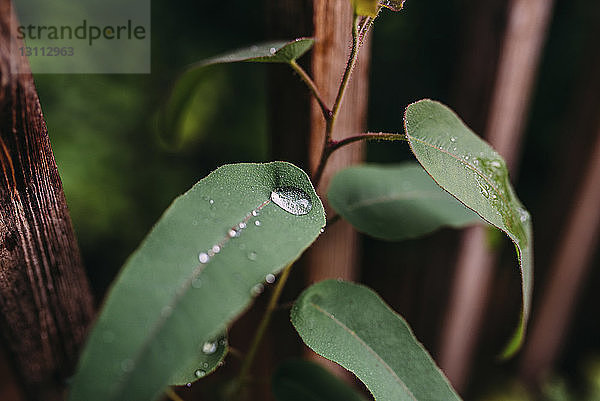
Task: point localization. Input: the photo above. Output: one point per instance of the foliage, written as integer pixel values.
(165, 319)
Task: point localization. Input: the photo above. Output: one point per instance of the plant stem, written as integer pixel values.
(358, 36)
(369, 136)
(313, 88)
(262, 327)
(345, 79)
(172, 394)
(331, 146)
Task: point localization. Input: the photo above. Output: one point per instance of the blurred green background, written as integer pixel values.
(119, 173)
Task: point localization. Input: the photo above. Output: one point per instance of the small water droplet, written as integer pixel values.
(322, 230)
(205, 365)
(496, 163)
(209, 348)
(452, 139)
(203, 257)
(200, 373)
(232, 233)
(212, 202)
(270, 278)
(242, 225)
(257, 223)
(223, 341)
(258, 289)
(197, 283)
(166, 311)
(252, 255)
(292, 200)
(523, 215)
(188, 385)
(272, 50)
(255, 213)
(216, 248)
(127, 365)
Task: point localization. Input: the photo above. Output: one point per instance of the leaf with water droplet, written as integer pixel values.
(207, 362)
(164, 271)
(300, 380)
(351, 325)
(175, 114)
(395, 202)
(477, 176)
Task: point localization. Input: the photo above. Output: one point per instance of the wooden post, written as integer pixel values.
(45, 301)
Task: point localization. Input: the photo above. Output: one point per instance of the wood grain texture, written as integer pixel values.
(45, 301)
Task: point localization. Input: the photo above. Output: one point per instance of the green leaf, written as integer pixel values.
(207, 360)
(171, 118)
(394, 5)
(197, 271)
(269, 52)
(365, 7)
(395, 202)
(352, 326)
(469, 169)
(299, 380)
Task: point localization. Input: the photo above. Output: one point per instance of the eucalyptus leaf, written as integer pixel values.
(395, 202)
(394, 5)
(197, 271)
(352, 326)
(300, 380)
(208, 359)
(469, 169)
(365, 7)
(170, 117)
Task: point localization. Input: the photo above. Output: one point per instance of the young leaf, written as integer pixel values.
(352, 326)
(196, 271)
(469, 169)
(299, 380)
(395, 202)
(183, 89)
(394, 5)
(365, 7)
(207, 360)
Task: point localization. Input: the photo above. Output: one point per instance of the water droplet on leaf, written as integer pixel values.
(209, 348)
(270, 278)
(257, 223)
(258, 289)
(292, 200)
(199, 373)
(203, 257)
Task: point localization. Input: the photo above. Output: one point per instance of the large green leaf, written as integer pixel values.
(171, 118)
(196, 271)
(299, 380)
(468, 168)
(395, 202)
(352, 326)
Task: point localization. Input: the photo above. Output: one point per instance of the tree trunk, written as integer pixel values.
(45, 300)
